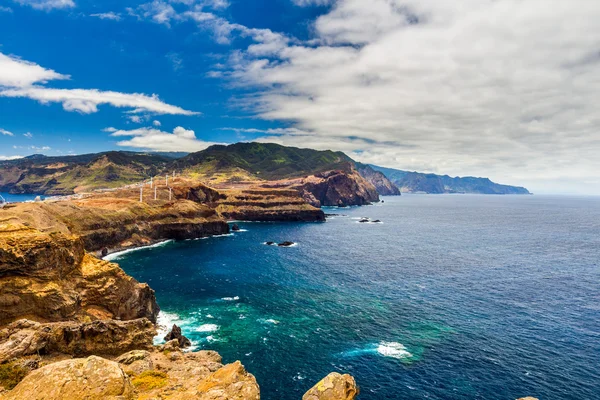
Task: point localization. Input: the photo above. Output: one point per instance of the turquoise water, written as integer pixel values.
(451, 297)
(17, 198)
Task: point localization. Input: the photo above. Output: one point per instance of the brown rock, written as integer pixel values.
(232, 382)
(175, 334)
(48, 277)
(25, 337)
(333, 387)
(93, 378)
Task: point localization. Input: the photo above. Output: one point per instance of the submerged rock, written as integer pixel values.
(93, 378)
(334, 386)
(175, 334)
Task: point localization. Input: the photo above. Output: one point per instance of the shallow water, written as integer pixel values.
(451, 297)
(17, 198)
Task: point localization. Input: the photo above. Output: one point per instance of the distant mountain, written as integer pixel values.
(414, 182)
(39, 174)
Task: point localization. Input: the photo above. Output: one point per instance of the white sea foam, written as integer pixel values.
(393, 349)
(207, 328)
(164, 323)
(119, 254)
(272, 321)
(209, 316)
(215, 236)
(236, 298)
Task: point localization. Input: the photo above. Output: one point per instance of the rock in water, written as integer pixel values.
(92, 378)
(235, 228)
(286, 244)
(333, 387)
(176, 334)
(230, 382)
(270, 243)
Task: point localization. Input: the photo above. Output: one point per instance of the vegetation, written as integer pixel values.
(263, 160)
(11, 374)
(149, 380)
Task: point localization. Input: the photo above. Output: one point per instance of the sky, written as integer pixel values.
(506, 89)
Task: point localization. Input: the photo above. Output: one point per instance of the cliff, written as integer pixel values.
(48, 277)
(416, 182)
(382, 184)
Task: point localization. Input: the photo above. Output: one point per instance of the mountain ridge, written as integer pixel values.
(417, 182)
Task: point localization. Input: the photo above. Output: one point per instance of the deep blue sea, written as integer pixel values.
(451, 297)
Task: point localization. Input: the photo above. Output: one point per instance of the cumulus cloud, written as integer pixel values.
(108, 15)
(504, 88)
(47, 5)
(28, 135)
(20, 78)
(5, 132)
(156, 123)
(180, 139)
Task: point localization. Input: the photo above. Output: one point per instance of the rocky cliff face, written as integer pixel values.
(48, 277)
(340, 188)
(384, 186)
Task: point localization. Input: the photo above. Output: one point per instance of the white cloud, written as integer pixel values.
(8, 158)
(156, 123)
(154, 139)
(28, 135)
(15, 72)
(5, 132)
(108, 15)
(6, 9)
(20, 78)
(47, 5)
(504, 88)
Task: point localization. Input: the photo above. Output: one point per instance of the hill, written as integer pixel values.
(40, 174)
(414, 182)
(266, 161)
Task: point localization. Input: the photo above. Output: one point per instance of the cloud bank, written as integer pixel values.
(504, 88)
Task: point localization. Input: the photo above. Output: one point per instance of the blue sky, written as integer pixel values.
(505, 89)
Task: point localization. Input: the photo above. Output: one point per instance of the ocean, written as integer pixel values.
(450, 297)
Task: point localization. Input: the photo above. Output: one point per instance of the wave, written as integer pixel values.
(207, 328)
(394, 350)
(119, 254)
(215, 236)
(236, 298)
(165, 322)
(387, 349)
(268, 321)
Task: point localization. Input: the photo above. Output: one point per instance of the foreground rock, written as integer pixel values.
(93, 378)
(24, 338)
(333, 387)
(48, 277)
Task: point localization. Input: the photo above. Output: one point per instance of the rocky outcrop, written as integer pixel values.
(267, 204)
(24, 337)
(93, 378)
(48, 277)
(382, 184)
(175, 334)
(333, 387)
(332, 188)
(338, 188)
(230, 382)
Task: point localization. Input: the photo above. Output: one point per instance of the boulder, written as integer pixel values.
(235, 228)
(333, 387)
(229, 382)
(175, 334)
(93, 378)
